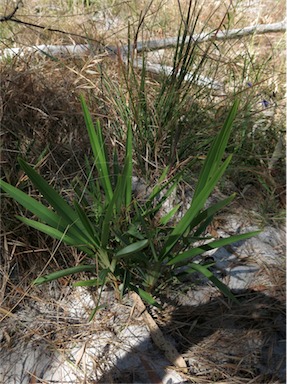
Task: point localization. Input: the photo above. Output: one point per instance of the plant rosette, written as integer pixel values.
(125, 245)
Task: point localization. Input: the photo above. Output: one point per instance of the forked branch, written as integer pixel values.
(12, 14)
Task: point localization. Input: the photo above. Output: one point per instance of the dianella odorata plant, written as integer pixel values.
(125, 243)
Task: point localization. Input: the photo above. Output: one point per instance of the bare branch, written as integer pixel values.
(10, 16)
(151, 45)
(154, 45)
(112, 50)
(49, 50)
(167, 70)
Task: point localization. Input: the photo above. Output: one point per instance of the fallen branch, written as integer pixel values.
(157, 336)
(200, 80)
(48, 50)
(154, 45)
(82, 49)
(151, 45)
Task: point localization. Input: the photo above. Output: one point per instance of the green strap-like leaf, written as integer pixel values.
(98, 148)
(106, 230)
(216, 152)
(67, 214)
(129, 168)
(64, 272)
(207, 273)
(185, 256)
(132, 248)
(126, 279)
(158, 187)
(87, 224)
(166, 218)
(204, 218)
(65, 236)
(43, 213)
(145, 296)
(196, 205)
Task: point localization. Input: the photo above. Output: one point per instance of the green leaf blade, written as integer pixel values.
(216, 152)
(32, 205)
(65, 212)
(87, 225)
(219, 284)
(63, 236)
(98, 148)
(129, 167)
(64, 272)
(185, 256)
(132, 248)
(196, 205)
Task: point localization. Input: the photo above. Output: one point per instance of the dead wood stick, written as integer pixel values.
(154, 45)
(158, 338)
(151, 45)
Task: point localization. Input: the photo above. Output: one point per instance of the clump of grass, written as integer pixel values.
(161, 109)
(175, 119)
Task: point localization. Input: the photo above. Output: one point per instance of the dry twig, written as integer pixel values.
(158, 338)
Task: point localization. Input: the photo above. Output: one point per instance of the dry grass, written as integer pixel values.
(42, 122)
(226, 343)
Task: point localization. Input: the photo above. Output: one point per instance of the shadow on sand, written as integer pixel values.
(243, 342)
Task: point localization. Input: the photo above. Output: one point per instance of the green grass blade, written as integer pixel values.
(129, 168)
(92, 186)
(87, 224)
(53, 232)
(63, 236)
(32, 205)
(98, 148)
(63, 209)
(126, 279)
(166, 218)
(206, 216)
(106, 225)
(160, 195)
(109, 213)
(160, 184)
(132, 248)
(64, 272)
(216, 151)
(185, 256)
(145, 296)
(148, 298)
(87, 283)
(121, 195)
(116, 166)
(153, 206)
(207, 273)
(196, 205)
(57, 202)
(123, 190)
(95, 310)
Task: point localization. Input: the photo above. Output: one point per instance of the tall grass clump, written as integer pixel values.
(165, 111)
(175, 113)
(258, 144)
